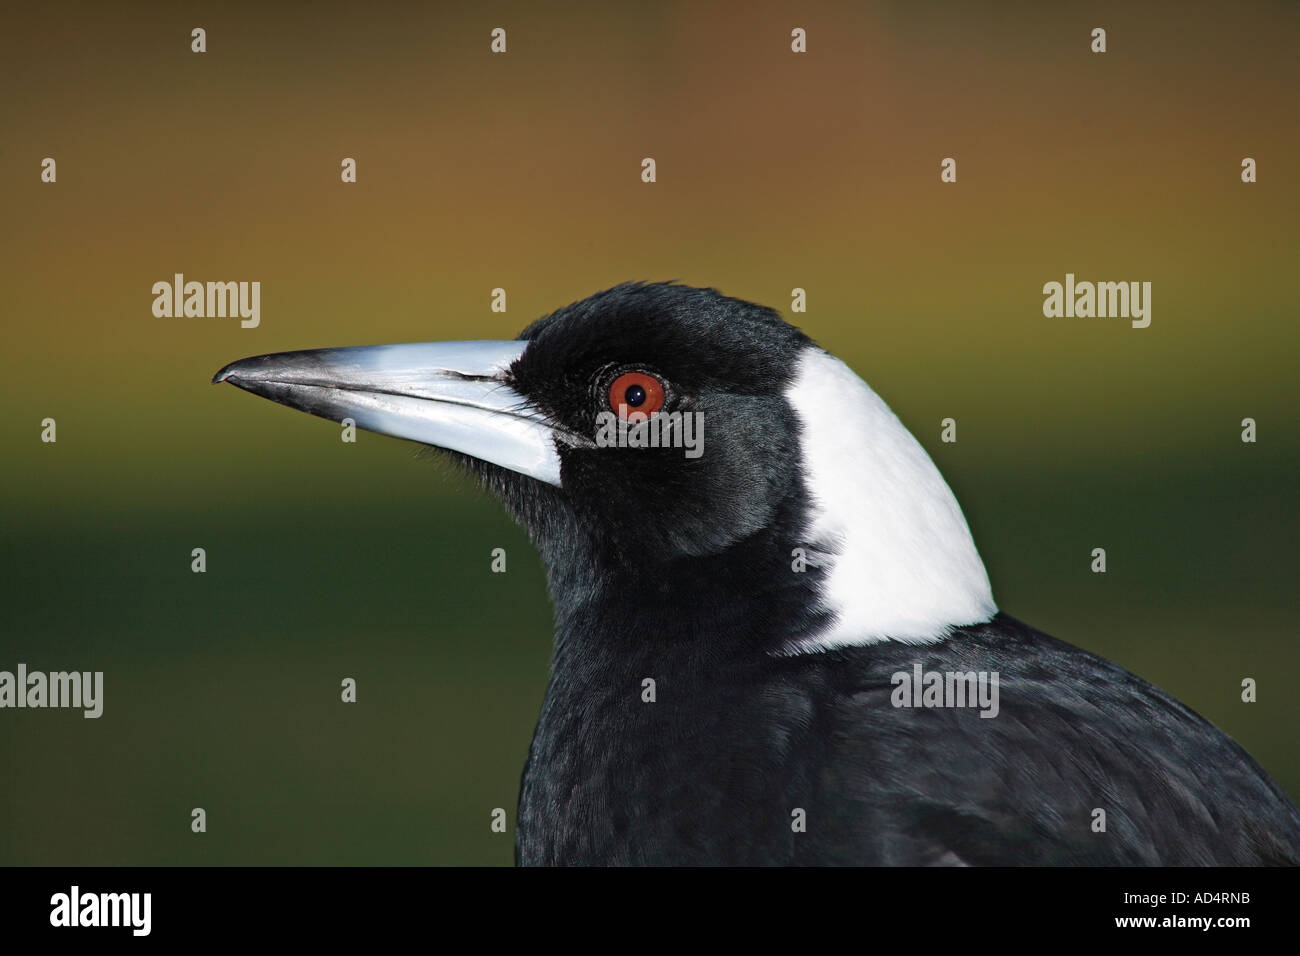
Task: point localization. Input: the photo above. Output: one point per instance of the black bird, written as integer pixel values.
(789, 587)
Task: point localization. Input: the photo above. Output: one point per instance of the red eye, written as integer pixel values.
(636, 394)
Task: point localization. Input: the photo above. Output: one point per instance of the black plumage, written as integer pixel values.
(712, 772)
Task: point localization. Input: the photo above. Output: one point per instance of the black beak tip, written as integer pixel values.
(225, 374)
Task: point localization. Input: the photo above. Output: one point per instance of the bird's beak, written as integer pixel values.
(449, 394)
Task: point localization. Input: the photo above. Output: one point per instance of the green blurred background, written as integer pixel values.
(475, 171)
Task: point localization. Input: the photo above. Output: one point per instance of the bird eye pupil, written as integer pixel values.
(635, 396)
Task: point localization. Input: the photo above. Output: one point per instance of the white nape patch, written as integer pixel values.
(902, 563)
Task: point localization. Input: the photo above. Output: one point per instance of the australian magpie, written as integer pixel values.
(776, 642)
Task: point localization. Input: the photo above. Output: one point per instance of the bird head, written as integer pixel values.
(656, 435)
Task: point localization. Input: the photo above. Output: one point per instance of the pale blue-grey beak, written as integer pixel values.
(449, 394)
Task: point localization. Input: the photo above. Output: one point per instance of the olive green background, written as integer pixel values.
(522, 171)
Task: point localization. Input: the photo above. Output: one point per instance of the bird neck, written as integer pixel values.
(746, 602)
